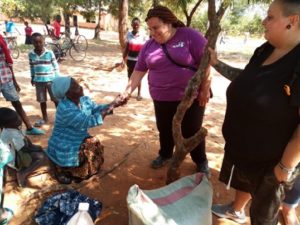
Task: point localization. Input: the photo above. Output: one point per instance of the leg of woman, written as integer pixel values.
(164, 113)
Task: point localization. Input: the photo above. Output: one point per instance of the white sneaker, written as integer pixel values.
(226, 211)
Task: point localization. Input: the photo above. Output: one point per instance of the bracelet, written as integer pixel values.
(285, 169)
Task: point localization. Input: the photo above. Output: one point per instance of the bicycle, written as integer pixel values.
(13, 46)
(75, 50)
(61, 46)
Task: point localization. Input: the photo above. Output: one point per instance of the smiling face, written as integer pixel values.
(275, 24)
(159, 30)
(135, 25)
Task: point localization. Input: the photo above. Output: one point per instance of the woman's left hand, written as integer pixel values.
(204, 97)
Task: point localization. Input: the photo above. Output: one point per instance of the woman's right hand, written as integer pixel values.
(213, 56)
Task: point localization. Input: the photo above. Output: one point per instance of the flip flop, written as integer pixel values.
(35, 131)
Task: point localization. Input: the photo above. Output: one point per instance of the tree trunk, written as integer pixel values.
(98, 27)
(123, 17)
(185, 145)
(67, 23)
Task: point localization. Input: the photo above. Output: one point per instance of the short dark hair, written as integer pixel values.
(36, 35)
(165, 14)
(290, 7)
(135, 19)
(7, 117)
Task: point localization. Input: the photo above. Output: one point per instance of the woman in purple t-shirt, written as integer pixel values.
(168, 79)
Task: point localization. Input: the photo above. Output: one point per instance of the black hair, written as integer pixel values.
(7, 117)
(58, 18)
(290, 7)
(36, 35)
(165, 14)
(135, 19)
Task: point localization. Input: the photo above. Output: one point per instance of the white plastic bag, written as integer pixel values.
(82, 217)
(187, 201)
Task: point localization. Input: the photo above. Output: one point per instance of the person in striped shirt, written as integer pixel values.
(75, 154)
(134, 43)
(43, 68)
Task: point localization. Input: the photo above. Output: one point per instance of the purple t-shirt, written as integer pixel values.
(167, 81)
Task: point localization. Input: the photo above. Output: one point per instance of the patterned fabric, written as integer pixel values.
(71, 128)
(90, 157)
(44, 67)
(5, 62)
(135, 44)
(59, 208)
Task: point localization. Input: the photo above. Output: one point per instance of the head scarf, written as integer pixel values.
(60, 87)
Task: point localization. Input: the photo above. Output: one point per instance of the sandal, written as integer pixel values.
(39, 123)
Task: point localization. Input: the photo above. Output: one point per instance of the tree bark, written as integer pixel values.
(123, 17)
(98, 27)
(185, 145)
(67, 23)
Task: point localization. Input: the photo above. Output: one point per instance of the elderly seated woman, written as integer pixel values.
(76, 155)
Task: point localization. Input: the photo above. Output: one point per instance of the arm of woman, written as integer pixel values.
(77, 119)
(134, 81)
(290, 158)
(227, 71)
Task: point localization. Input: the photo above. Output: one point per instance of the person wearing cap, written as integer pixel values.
(76, 155)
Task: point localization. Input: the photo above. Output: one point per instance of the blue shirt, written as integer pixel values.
(44, 67)
(10, 27)
(71, 128)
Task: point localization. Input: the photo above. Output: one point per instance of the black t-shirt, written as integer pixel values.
(260, 117)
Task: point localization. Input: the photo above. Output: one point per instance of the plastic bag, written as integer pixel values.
(82, 217)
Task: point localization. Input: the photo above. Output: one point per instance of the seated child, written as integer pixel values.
(27, 157)
(75, 153)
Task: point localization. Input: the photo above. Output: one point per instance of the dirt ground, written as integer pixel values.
(129, 136)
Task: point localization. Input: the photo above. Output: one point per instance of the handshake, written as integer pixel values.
(120, 100)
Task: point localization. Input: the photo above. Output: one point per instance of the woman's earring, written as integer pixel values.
(288, 26)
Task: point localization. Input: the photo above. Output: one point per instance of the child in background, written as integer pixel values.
(27, 157)
(28, 33)
(43, 69)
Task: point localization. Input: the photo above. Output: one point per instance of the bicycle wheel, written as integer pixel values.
(81, 42)
(55, 49)
(77, 53)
